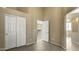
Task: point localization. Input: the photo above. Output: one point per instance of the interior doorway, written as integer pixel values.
(42, 30)
(72, 31)
(68, 33)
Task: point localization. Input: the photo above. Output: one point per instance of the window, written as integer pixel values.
(69, 26)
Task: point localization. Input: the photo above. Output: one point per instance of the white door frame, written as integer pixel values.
(48, 28)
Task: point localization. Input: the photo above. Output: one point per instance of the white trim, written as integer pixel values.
(63, 47)
(74, 11)
(30, 43)
(55, 43)
(64, 39)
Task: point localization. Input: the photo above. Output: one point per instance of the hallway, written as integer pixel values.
(40, 46)
(29, 25)
(71, 46)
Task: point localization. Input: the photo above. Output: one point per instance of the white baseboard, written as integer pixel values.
(63, 47)
(55, 43)
(2, 49)
(30, 43)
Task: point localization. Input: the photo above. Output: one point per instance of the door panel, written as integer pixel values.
(45, 31)
(21, 31)
(10, 31)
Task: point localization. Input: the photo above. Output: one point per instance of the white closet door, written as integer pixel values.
(10, 31)
(21, 30)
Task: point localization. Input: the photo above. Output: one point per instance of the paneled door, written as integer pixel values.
(45, 31)
(10, 31)
(21, 30)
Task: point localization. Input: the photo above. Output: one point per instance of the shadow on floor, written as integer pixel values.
(40, 46)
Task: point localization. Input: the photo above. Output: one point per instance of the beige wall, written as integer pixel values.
(75, 24)
(2, 31)
(56, 16)
(23, 9)
(37, 14)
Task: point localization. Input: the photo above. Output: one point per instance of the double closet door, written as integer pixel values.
(21, 31)
(15, 31)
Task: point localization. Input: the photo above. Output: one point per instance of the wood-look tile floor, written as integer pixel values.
(40, 46)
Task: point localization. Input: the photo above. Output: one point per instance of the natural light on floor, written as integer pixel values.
(68, 43)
